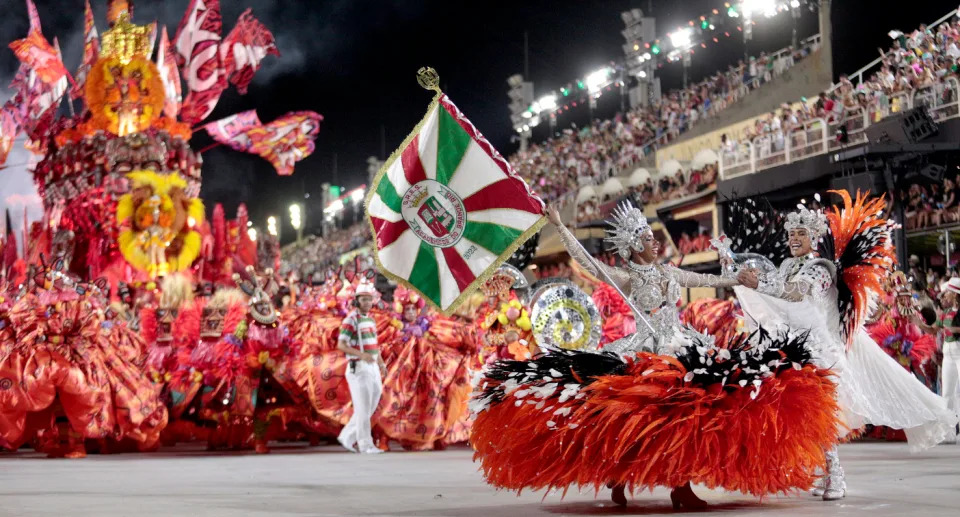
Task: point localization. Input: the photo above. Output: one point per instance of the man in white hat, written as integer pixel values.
(365, 368)
(950, 369)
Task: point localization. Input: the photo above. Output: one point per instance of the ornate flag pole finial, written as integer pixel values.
(428, 78)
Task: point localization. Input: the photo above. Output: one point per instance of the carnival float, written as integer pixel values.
(125, 279)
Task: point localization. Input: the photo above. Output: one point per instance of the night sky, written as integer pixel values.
(354, 61)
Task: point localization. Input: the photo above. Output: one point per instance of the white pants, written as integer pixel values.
(950, 375)
(365, 388)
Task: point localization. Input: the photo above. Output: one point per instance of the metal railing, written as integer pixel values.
(817, 136)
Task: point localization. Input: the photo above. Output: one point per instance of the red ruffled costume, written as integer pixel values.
(618, 319)
(60, 358)
(719, 318)
(904, 341)
(425, 391)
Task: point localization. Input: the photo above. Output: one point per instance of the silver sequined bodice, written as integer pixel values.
(654, 290)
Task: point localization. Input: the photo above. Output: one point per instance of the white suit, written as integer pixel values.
(365, 389)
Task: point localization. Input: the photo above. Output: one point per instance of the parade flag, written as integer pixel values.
(152, 37)
(37, 53)
(8, 131)
(59, 88)
(91, 49)
(232, 131)
(244, 48)
(34, 16)
(197, 42)
(170, 75)
(447, 209)
(283, 142)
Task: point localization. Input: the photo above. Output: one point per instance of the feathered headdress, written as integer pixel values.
(261, 308)
(629, 224)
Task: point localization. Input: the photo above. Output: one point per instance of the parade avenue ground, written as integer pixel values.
(296, 480)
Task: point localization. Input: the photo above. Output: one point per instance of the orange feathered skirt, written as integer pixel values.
(581, 421)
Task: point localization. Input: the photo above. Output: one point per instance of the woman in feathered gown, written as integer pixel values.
(830, 293)
(662, 407)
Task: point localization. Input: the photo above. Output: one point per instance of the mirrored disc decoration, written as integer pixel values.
(563, 316)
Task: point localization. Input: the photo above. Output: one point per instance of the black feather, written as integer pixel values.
(525, 253)
(754, 226)
(752, 357)
(556, 365)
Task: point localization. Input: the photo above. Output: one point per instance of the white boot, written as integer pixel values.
(819, 485)
(836, 486)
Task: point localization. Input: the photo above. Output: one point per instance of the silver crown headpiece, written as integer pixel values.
(811, 220)
(629, 224)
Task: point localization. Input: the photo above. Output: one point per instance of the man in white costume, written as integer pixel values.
(365, 369)
(946, 326)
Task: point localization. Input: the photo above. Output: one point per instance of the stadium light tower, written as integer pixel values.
(272, 227)
(639, 37)
(521, 101)
(681, 40)
(296, 220)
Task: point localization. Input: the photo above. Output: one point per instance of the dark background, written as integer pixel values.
(354, 61)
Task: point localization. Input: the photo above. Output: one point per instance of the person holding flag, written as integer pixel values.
(365, 370)
(664, 406)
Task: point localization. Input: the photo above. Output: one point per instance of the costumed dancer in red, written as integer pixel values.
(662, 407)
(896, 331)
(427, 385)
(280, 407)
(160, 323)
(208, 387)
(63, 378)
(314, 321)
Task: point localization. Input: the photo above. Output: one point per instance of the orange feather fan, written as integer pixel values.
(864, 254)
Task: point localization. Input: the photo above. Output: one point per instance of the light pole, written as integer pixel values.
(272, 227)
(295, 220)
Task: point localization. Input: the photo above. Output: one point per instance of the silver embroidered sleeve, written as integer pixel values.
(811, 282)
(576, 251)
(691, 279)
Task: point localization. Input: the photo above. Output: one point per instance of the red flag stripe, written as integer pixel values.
(387, 232)
(459, 268)
(506, 193)
(412, 166)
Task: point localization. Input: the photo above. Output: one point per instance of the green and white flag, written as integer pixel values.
(446, 209)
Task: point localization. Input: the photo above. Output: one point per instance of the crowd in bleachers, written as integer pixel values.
(590, 155)
(923, 61)
(316, 253)
(665, 188)
(928, 205)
